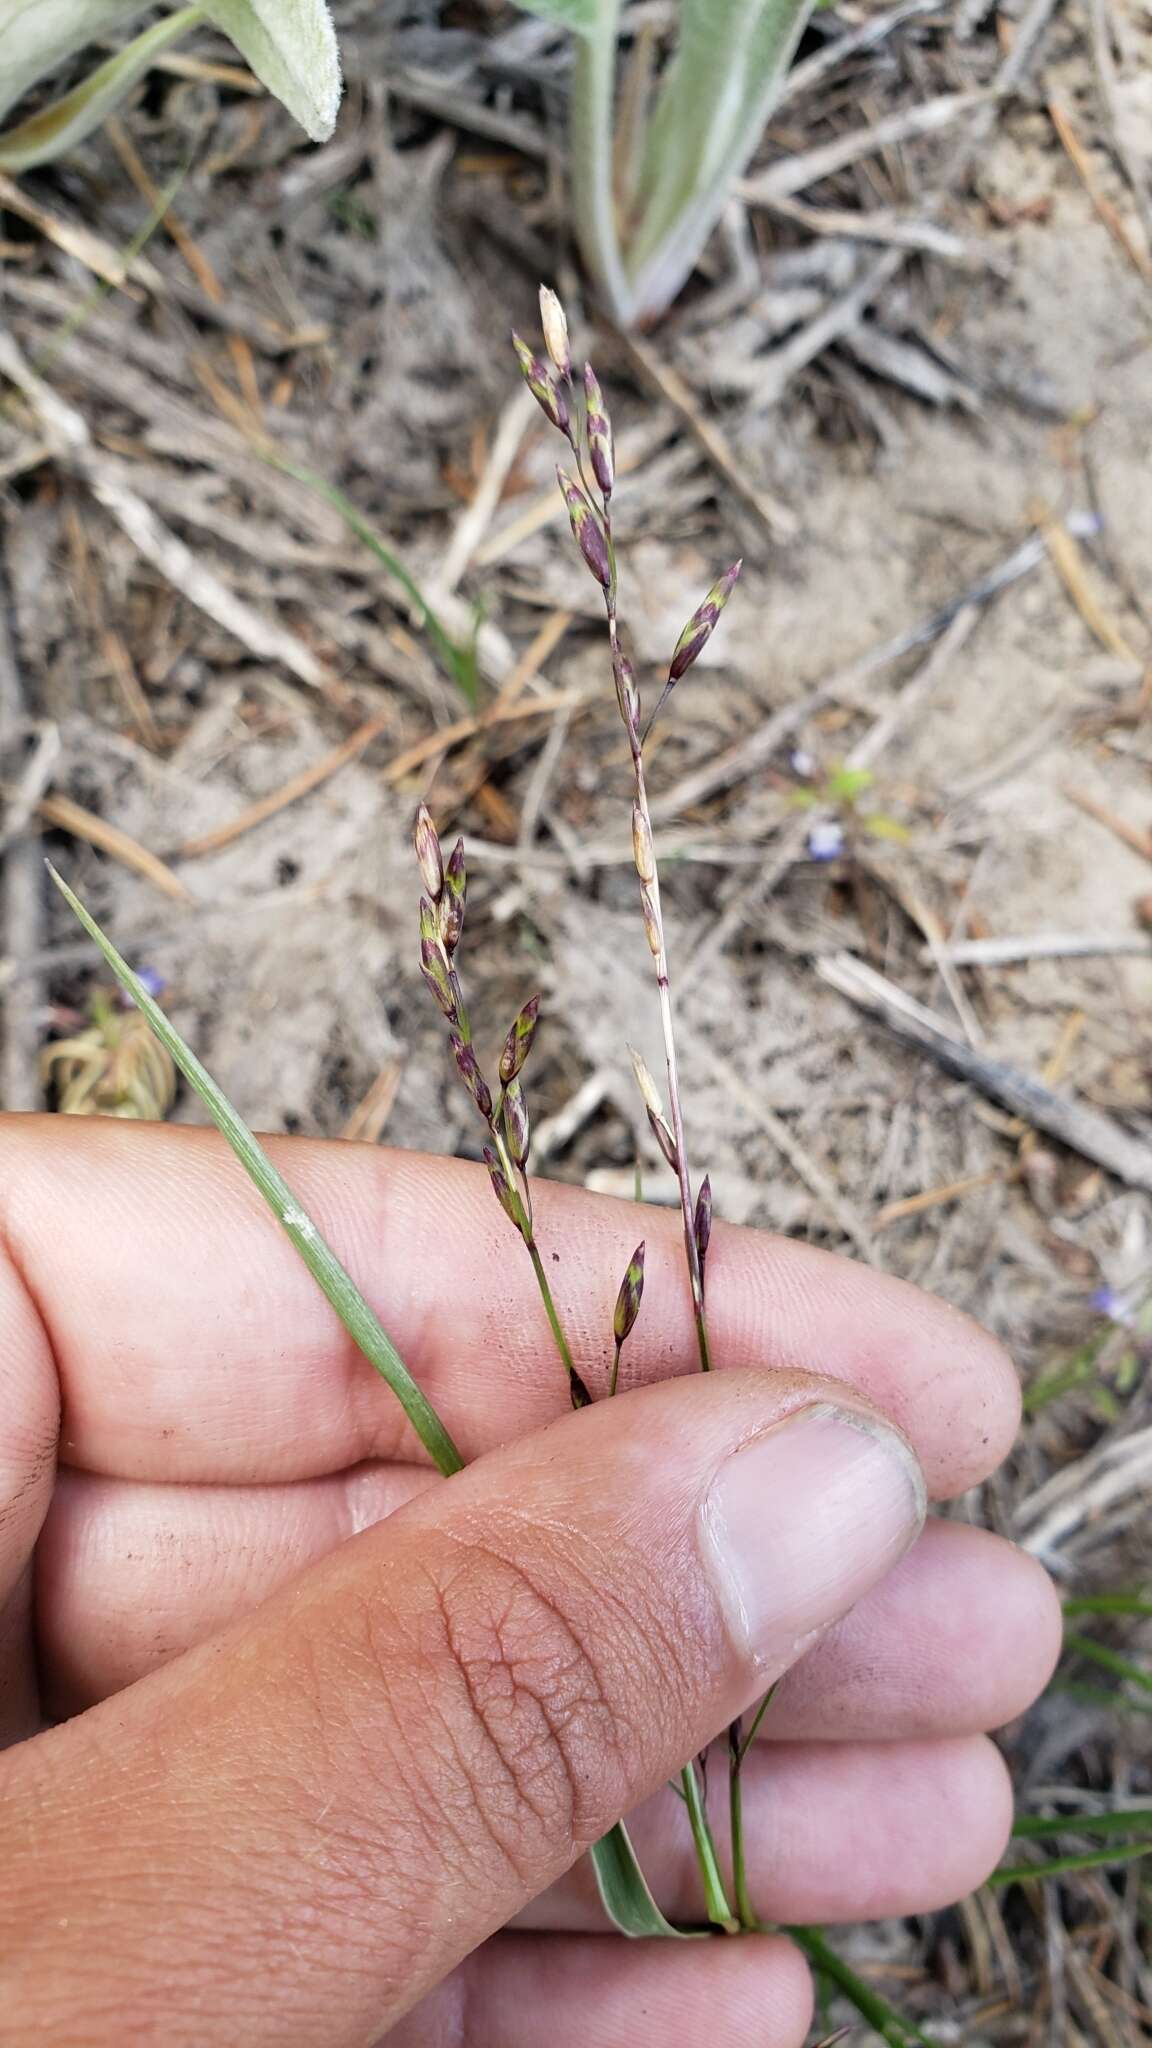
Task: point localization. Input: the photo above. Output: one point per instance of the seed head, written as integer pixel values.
(643, 851)
(555, 327)
(471, 1076)
(629, 1297)
(702, 1221)
(627, 695)
(645, 1083)
(546, 389)
(660, 1127)
(452, 901)
(702, 624)
(663, 1135)
(518, 1043)
(652, 930)
(435, 973)
(434, 968)
(599, 433)
(429, 922)
(500, 1187)
(589, 533)
(516, 1125)
(463, 1027)
(577, 1391)
(428, 853)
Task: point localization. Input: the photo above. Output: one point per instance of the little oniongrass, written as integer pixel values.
(626, 1895)
(575, 408)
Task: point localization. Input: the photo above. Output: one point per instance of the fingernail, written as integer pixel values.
(802, 1520)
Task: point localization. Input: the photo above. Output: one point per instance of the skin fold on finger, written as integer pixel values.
(960, 1638)
(852, 1831)
(575, 1991)
(192, 1344)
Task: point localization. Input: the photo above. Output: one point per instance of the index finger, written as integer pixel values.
(191, 1343)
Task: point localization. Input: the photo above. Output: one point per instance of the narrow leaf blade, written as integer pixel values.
(624, 1891)
(360, 1321)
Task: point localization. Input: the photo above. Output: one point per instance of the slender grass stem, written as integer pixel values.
(550, 1310)
(893, 2030)
(715, 1897)
(746, 1912)
(524, 1205)
(667, 1021)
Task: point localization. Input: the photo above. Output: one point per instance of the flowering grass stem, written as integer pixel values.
(715, 1897)
(576, 409)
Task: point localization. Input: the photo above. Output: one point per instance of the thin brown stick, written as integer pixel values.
(67, 816)
(21, 908)
(1133, 835)
(289, 792)
(1090, 1132)
(777, 519)
(467, 729)
(933, 1198)
(1081, 162)
(371, 1113)
(1067, 558)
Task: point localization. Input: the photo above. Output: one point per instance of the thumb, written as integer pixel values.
(295, 1830)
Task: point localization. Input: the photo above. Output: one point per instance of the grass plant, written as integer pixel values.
(574, 406)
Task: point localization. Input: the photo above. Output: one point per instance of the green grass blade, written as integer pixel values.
(624, 1890)
(358, 1319)
(1117, 1821)
(458, 662)
(1108, 1660)
(1099, 1696)
(1056, 1866)
(882, 2017)
(1110, 1603)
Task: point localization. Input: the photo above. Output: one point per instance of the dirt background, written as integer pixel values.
(987, 412)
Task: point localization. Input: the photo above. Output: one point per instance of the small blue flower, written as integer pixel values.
(1107, 1302)
(826, 841)
(154, 985)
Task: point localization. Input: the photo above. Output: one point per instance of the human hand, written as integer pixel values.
(302, 1781)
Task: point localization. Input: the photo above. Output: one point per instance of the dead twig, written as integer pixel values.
(777, 519)
(21, 890)
(1075, 1500)
(289, 792)
(1067, 558)
(1008, 952)
(67, 816)
(1081, 163)
(1087, 1131)
(767, 377)
(1133, 835)
(366, 1124)
(795, 173)
(67, 433)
